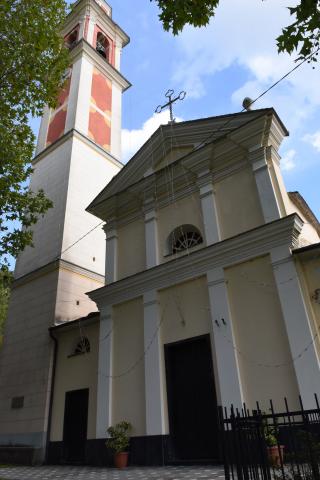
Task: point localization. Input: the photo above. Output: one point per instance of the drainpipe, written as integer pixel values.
(53, 375)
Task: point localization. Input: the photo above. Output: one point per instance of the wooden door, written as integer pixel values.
(192, 401)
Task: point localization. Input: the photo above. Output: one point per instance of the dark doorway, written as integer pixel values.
(192, 401)
(75, 425)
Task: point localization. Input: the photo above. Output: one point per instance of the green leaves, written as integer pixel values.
(6, 278)
(303, 35)
(175, 14)
(119, 436)
(32, 62)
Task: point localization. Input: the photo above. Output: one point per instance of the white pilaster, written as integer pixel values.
(209, 214)
(118, 47)
(155, 423)
(104, 386)
(115, 149)
(267, 195)
(91, 25)
(224, 341)
(297, 322)
(81, 121)
(111, 254)
(42, 137)
(82, 27)
(151, 235)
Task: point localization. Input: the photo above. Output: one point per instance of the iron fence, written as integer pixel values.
(266, 445)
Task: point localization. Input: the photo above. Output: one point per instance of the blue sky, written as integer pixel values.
(235, 56)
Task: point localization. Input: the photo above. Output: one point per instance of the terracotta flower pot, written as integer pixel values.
(121, 459)
(275, 455)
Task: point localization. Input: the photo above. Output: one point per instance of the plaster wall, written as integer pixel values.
(175, 154)
(308, 268)
(116, 121)
(184, 211)
(25, 360)
(128, 391)
(308, 234)
(75, 373)
(72, 301)
(260, 335)
(90, 171)
(238, 203)
(131, 248)
(51, 174)
(186, 312)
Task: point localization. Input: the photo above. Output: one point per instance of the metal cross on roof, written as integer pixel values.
(171, 101)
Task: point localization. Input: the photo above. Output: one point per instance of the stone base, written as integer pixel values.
(19, 455)
(148, 451)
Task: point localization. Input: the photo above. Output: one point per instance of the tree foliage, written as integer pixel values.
(302, 36)
(175, 14)
(5, 282)
(32, 62)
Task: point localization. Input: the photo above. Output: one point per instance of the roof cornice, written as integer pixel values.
(82, 7)
(254, 243)
(84, 48)
(256, 130)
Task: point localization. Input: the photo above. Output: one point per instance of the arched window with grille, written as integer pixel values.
(82, 347)
(103, 46)
(183, 238)
(72, 38)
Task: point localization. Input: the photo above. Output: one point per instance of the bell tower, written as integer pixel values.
(78, 152)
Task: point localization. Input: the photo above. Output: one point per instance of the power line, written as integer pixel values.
(81, 238)
(308, 58)
(205, 141)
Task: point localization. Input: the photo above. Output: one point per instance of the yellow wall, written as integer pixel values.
(287, 207)
(75, 373)
(128, 346)
(72, 288)
(131, 248)
(174, 155)
(185, 313)
(260, 334)
(184, 211)
(308, 267)
(238, 203)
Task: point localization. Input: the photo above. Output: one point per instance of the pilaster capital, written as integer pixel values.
(106, 313)
(110, 229)
(111, 234)
(258, 157)
(215, 277)
(150, 216)
(206, 190)
(204, 178)
(150, 298)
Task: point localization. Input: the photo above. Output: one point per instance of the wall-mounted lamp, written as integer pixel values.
(316, 295)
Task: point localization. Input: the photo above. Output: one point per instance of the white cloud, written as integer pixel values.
(287, 160)
(313, 139)
(132, 140)
(243, 34)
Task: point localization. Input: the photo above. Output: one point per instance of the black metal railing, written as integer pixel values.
(266, 445)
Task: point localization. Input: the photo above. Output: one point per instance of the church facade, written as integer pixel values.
(211, 293)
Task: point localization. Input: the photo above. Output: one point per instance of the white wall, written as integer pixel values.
(90, 171)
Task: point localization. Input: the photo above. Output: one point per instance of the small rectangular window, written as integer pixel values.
(17, 402)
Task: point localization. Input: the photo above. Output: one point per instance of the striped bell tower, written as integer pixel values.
(78, 153)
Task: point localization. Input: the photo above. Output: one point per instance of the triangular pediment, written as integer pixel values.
(172, 142)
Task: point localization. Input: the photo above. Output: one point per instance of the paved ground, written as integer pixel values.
(88, 473)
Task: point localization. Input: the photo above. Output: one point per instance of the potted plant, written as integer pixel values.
(274, 450)
(118, 441)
